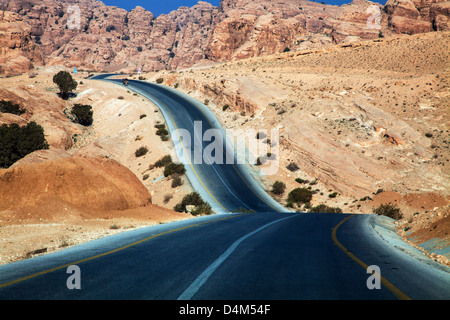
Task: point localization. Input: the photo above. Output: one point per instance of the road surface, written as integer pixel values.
(254, 256)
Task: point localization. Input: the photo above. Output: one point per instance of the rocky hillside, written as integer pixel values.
(18, 52)
(91, 35)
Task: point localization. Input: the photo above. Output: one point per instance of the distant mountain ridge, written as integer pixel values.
(106, 36)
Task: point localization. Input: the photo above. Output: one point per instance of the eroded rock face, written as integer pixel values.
(89, 34)
(417, 16)
(18, 52)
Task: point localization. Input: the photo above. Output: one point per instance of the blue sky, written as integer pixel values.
(158, 7)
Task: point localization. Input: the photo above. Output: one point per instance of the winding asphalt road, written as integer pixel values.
(226, 187)
(268, 255)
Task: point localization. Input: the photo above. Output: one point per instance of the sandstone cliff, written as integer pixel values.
(93, 36)
(18, 52)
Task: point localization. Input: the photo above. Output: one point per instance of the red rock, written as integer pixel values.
(111, 38)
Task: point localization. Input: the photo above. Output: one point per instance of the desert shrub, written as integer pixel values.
(159, 80)
(174, 168)
(83, 114)
(142, 151)
(322, 208)
(278, 187)
(292, 167)
(300, 195)
(332, 195)
(167, 197)
(9, 107)
(16, 142)
(66, 83)
(162, 162)
(389, 210)
(162, 132)
(204, 208)
(176, 180)
(193, 198)
(301, 181)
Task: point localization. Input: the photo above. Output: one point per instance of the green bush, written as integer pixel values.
(162, 132)
(174, 168)
(83, 114)
(300, 195)
(389, 210)
(278, 187)
(16, 142)
(176, 180)
(332, 195)
(142, 151)
(66, 83)
(194, 199)
(162, 162)
(204, 208)
(9, 107)
(322, 208)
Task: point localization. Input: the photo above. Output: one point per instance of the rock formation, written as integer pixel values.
(91, 35)
(18, 52)
(84, 183)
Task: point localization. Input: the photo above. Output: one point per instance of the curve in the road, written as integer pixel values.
(227, 187)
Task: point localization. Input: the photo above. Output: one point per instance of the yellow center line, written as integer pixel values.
(110, 252)
(397, 292)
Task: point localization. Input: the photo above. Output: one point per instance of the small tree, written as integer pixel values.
(9, 107)
(66, 83)
(83, 114)
(390, 210)
(142, 151)
(193, 198)
(174, 168)
(278, 187)
(16, 142)
(300, 195)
